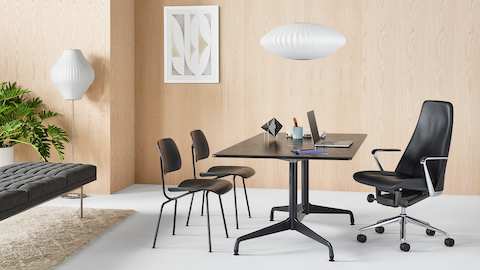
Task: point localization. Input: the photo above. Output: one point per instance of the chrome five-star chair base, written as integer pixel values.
(403, 219)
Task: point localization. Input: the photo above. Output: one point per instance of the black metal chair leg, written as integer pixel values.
(190, 209)
(158, 223)
(235, 201)
(81, 202)
(246, 198)
(309, 233)
(208, 224)
(223, 215)
(174, 217)
(203, 202)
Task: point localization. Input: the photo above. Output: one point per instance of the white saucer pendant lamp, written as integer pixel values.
(72, 74)
(302, 41)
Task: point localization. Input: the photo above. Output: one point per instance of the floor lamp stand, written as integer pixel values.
(74, 195)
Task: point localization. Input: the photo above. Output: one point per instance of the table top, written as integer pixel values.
(280, 147)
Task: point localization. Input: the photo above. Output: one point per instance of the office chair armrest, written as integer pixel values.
(428, 179)
(374, 153)
(385, 150)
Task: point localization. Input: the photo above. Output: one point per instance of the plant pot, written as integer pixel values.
(6, 156)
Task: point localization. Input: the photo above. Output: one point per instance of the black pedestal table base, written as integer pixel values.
(293, 222)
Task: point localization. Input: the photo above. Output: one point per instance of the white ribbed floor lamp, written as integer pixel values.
(72, 75)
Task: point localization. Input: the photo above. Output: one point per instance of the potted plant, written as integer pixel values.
(23, 120)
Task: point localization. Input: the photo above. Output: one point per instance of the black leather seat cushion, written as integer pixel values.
(222, 171)
(74, 174)
(35, 186)
(390, 181)
(218, 186)
(10, 199)
(26, 184)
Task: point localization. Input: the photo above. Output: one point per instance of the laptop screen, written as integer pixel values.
(313, 126)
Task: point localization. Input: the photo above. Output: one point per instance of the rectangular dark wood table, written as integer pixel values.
(267, 147)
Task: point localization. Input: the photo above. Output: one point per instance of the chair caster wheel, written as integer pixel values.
(430, 232)
(405, 247)
(370, 198)
(362, 238)
(380, 229)
(449, 242)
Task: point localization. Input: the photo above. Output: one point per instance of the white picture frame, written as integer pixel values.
(191, 44)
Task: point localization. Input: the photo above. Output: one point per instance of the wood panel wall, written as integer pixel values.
(122, 93)
(398, 54)
(34, 34)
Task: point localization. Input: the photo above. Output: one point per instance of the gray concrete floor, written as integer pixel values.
(128, 244)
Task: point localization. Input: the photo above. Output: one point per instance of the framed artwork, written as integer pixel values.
(191, 44)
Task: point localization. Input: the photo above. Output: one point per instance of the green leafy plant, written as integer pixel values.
(24, 120)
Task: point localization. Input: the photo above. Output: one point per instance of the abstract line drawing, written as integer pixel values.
(191, 39)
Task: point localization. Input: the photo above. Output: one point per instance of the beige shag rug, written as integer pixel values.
(44, 237)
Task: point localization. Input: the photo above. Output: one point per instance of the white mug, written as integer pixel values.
(297, 133)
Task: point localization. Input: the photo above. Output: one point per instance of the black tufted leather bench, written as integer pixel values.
(26, 184)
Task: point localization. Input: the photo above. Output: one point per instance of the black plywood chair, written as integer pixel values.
(419, 174)
(171, 161)
(201, 150)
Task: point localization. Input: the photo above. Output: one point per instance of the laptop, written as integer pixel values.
(319, 141)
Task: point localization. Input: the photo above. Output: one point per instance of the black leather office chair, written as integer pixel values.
(171, 161)
(200, 150)
(419, 174)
